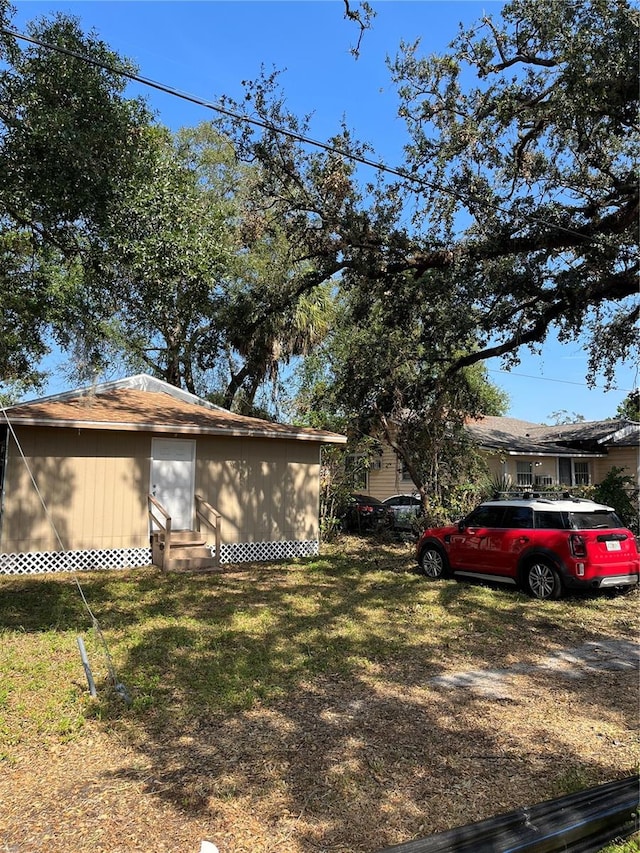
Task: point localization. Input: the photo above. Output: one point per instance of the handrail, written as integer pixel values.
(203, 506)
(164, 524)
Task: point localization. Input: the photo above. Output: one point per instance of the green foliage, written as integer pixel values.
(128, 247)
(169, 255)
(342, 472)
(519, 215)
(203, 264)
(379, 374)
(629, 408)
(69, 141)
(621, 492)
(631, 845)
(542, 155)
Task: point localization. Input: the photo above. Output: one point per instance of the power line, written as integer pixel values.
(561, 381)
(242, 117)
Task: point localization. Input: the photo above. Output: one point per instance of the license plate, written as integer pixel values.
(613, 546)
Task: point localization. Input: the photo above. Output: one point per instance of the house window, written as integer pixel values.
(524, 474)
(357, 471)
(405, 476)
(572, 473)
(564, 471)
(581, 473)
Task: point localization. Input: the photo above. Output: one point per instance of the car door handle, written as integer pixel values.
(522, 540)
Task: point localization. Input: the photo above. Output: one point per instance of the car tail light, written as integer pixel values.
(577, 545)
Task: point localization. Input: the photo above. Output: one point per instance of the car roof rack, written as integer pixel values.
(546, 497)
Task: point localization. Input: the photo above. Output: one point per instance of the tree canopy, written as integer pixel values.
(126, 245)
(541, 157)
(515, 210)
(521, 193)
(629, 408)
(69, 141)
(196, 258)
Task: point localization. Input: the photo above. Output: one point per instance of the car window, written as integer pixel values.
(551, 520)
(594, 520)
(485, 516)
(518, 516)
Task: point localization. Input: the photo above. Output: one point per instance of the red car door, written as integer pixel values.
(478, 537)
(516, 535)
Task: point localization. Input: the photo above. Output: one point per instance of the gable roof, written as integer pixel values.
(588, 438)
(605, 433)
(515, 437)
(143, 403)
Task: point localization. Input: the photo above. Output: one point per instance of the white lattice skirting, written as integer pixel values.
(131, 558)
(259, 552)
(40, 562)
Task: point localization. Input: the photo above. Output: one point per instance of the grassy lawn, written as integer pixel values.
(292, 707)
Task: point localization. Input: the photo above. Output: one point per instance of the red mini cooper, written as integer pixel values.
(542, 545)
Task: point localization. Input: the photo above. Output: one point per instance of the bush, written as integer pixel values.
(618, 490)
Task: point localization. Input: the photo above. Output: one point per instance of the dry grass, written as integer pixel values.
(292, 708)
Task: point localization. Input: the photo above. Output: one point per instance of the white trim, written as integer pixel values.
(570, 453)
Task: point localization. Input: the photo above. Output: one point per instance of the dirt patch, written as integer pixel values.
(342, 766)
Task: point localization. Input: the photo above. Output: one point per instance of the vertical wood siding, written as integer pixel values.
(266, 490)
(93, 484)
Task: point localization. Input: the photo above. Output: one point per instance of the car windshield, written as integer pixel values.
(594, 520)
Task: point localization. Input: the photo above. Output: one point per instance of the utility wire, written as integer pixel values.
(551, 379)
(242, 117)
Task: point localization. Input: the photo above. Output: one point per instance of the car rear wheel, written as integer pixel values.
(433, 562)
(543, 580)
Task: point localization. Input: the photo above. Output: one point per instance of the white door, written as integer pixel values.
(173, 478)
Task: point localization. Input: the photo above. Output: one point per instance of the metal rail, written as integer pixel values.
(577, 823)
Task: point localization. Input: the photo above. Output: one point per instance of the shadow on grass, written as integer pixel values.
(300, 688)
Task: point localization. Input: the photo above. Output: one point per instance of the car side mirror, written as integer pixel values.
(462, 525)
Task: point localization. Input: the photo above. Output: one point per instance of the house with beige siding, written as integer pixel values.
(530, 455)
(581, 454)
(115, 475)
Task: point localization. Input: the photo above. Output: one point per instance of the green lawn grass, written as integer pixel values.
(187, 645)
(297, 694)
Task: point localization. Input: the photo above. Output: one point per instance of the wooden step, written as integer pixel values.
(178, 564)
(188, 551)
(182, 537)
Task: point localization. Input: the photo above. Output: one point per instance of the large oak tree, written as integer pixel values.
(515, 211)
(518, 206)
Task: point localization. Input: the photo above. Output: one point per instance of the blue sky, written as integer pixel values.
(207, 48)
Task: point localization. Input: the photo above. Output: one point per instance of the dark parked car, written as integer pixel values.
(365, 513)
(405, 509)
(544, 546)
